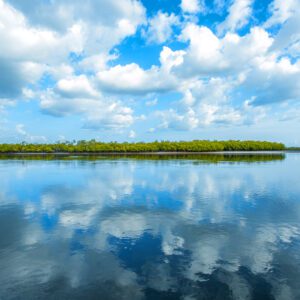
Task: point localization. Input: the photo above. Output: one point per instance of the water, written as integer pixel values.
(195, 227)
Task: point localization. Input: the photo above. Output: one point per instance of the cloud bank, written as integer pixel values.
(79, 60)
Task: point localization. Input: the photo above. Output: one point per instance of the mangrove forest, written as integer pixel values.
(94, 146)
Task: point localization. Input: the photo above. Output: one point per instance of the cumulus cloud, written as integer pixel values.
(60, 54)
(209, 103)
(26, 51)
(238, 16)
(76, 87)
(192, 6)
(215, 71)
(37, 39)
(132, 79)
(210, 73)
(34, 44)
(105, 23)
(101, 113)
(287, 41)
(171, 119)
(160, 28)
(78, 95)
(281, 11)
(208, 55)
(279, 81)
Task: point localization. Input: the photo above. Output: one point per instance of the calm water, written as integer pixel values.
(206, 227)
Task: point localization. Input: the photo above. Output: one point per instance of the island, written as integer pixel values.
(94, 147)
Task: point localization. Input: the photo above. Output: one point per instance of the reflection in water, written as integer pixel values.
(199, 158)
(150, 229)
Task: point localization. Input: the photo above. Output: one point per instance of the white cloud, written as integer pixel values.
(105, 23)
(37, 38)
(132, 79)
(222, 78)
(160, 28)
(76, 87)
(77, 95)
(203, 105)
(97, 114)
(209, 103)
(107, 115)
(190, 6)
(169, 58)
(210, 74)
(239, 13)
(204, 49)
(27, 137)
(281, 11)
(287, 40)
(26, 52)
(179, 121)
(208, 55)
(96, 62)
(274, 80)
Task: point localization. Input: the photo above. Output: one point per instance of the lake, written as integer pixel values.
(150, 227)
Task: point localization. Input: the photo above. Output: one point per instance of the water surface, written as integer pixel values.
(171, 227)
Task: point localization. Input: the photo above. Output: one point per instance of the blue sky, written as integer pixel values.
(149, 70)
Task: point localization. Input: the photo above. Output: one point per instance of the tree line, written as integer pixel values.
(94, 146)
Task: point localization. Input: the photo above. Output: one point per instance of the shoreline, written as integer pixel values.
(149, 153)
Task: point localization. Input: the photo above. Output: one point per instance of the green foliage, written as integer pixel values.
(297, 149)
(141, 147)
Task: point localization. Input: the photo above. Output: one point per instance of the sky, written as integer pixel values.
(145, 70)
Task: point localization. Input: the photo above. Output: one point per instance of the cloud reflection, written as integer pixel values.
(143, 229)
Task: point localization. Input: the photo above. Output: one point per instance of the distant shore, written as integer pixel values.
(93, 147)
(150, 153)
